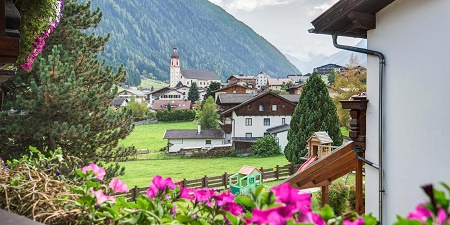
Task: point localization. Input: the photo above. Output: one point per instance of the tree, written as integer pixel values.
(347, 84)
(211, 88)
(208, 117)
(193, 93)
(314, 112)
(64, 101)
(266, 146)
(138, 109)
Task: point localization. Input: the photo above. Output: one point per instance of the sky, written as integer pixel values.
(285, 24)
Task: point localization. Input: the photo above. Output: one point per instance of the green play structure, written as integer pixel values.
(247, 179)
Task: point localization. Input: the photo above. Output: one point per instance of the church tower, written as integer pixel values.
(175, 75)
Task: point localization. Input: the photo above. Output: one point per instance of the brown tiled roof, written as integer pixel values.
(200, 74)
(254, 98)
(193, 134)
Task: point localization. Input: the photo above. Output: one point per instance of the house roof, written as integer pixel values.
(118, 101)
(253, 99)
(278, 129)
(234, 98)
(295, 86)
(245, 139)
(193, 134)
(175, 104)
(241, 76)
(322, 136)
(229, 86)
(278, 81)
(247, 170)
(349, 18)
(175, 53)
(291, 97)
(134, 92)
(161, 90)
(200, 74)
(330, 65)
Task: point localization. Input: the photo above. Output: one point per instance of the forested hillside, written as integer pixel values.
(143, 34)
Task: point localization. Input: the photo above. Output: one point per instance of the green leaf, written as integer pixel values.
(81, 174)
(369, 219)
(15, 182)
(234, 220)
(327, 213)
(184, 219)
(246, 201)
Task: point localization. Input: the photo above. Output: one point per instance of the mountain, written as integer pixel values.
(340, 58)
(143, 34)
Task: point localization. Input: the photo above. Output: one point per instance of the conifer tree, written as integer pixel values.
(315, 111)
(64, 102)
(211, 88)
(208, 117)
(193, 93)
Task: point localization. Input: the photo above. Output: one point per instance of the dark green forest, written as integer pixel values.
(143, 34)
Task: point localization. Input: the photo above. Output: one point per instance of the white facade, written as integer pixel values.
(172, 95)
(176, 144)
(258, 125)
(414, 37)
(282, 139)
(175, 75)
(261, 80)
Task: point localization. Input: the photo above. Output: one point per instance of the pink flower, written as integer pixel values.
(359, 221)
(291, 196)
(442, 217)
(204, 195)
(159, 185)
(226, 201)
(187, 193)
(102, 197)
(118, 186)
(421, 214)
(277, 215)
(95, 169)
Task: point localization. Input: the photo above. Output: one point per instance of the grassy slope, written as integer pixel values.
(148, 83)
(151, 136)
(140, 173)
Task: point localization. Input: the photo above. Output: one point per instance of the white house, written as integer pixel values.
(277, 83)
(173, 95)
(177, 139)
(261, 80)
(248, 121)
(280, 132)
(407, 113)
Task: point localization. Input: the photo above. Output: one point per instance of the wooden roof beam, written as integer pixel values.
(360, 21)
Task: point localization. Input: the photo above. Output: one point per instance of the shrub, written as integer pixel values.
(352, 197)
(266, 146)
(175, 115)
(338, 194)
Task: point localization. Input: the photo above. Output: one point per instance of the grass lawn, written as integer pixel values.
(344, 131)
(140, 173)
(148, 83)
(150, 136)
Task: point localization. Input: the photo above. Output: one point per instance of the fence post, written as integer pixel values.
(205, 181)
(291, 169)
(184, 183)
(135, 193)
(277, 172)
(262, 173)
(225, 180)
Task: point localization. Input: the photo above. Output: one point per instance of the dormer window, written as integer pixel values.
(261, 108)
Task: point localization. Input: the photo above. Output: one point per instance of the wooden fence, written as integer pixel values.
(221, 182)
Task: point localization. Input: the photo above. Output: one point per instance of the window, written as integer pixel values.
(274, 107)
(266, 121)
(283, 120)
(248, 121)
(248, 135)
(261, 108)
(208, 142)
(249, 106)
(265, 134)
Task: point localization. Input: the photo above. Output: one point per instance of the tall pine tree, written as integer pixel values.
(193, 93)
(64, 102)
(208, 117)
(315, 111)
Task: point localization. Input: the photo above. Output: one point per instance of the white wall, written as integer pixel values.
(180, 143)
(282, 139)
(414, 37)
(257, 128)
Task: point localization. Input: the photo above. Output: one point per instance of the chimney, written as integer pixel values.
(199, 129)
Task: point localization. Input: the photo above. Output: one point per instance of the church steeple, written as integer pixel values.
(175, 75)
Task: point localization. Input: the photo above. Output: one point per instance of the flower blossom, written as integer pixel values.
(118, 186)
(102, 197)
(291, 196)
(359, 221)
(159, 185)
(274, 216)
(95, 169)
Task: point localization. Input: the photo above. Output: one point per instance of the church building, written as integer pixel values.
(180, 77)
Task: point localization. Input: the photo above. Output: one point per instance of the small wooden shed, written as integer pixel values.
(247, 179)
(319, 144)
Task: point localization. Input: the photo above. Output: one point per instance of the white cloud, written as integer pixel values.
(247, 5)
(319, 9)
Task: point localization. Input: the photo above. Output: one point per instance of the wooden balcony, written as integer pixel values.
(227, 128)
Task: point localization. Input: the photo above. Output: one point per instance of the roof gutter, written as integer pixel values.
(382, 63)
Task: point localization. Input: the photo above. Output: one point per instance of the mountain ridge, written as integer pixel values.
(143, 34)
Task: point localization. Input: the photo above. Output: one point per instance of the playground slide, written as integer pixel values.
(307, 163)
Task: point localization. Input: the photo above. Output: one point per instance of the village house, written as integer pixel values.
(225, 101)
(249, 81)
(178, 139)
(329, 68)
(201, 77)
(139, 96)
(276, 84)
(403, 124)
(234, 89)
(298, 78)
(245, 123)
(174, 104)
(261, 80)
